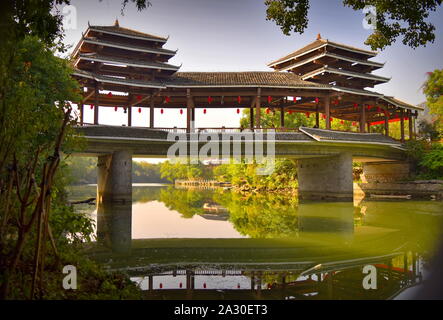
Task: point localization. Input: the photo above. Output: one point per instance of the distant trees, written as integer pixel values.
(433, 89)
(175, 171)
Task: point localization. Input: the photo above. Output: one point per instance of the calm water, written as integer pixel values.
(215, 244)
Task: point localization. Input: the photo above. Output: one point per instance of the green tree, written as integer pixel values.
(394, 19)
(433, 89)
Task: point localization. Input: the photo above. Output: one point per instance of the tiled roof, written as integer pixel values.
(317, 44)
(233, 79)
(116, 44)
(130, 62)
(340, 136)
(128, 32)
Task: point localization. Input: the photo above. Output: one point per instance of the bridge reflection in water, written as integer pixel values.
(323, 258)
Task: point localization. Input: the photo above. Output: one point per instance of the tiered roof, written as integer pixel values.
(328, 62)
(122, 59)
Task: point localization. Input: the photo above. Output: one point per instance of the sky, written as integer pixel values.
(234, 35)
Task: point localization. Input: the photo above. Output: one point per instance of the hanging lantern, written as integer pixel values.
(355, 105)
(238, 285)
(268, 110)
(92, 106)
(238, 111)
(324, 116)
(139, 110)
(342, 122)
(290, 111)
(139, 97)
(110, 94)
(125, 109)
(331, 119)
(209, 99)
(316, 100)
(181, 111)
(354, 124)
(167, 99)
(238, 99)
(269, 99)
(115, 108)
(204, 285)
(161, 111)
(378, 109)
(369, 107)
(180, 285)
(307, 114)
(204, 111)
(161, 285)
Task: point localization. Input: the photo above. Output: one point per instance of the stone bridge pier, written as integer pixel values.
(114, 200)
(326, 178)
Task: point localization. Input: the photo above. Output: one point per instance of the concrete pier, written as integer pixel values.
(326, 178)
(114, 200)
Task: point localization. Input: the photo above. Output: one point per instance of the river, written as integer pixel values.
(218, 244)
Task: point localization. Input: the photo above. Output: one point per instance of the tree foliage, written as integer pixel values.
(433, 89)
(394, 19)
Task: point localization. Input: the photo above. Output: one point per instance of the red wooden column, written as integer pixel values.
(96, 104)
(151, 113)
(317, 116)
(411, 133)
(387, 122)
(82, 113)
(362, 118)
(402, 125)
(328, 112)
(189, 107)
(257, 108)
(282, 116)
(129, 116)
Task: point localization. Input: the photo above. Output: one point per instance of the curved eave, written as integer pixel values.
(129, 48)
(334, 45)
(243, 86)
(126, 63)
(99, 78)
(332, 55)
(162, 40)
(344, 73)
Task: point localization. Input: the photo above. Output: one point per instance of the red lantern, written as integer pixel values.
(161, 285)
(268, 110)
(209, 99)
(92, 106)
(110, 94)
(238, 111)
(115, 108)
(369, 107)
(342, 122)
(238, 99)
(324, 116)
(307, 114)
(204, 285)
(316, 100)
(330, 119)
(139, 98)
(355, 105)
(161, 111)
(181, 285)
(354, 124)
(139, 110)
(378, 109)
(167, 99)
(238, 285)
(290, 111)
(181, 111)
(204, 111)
(269, 99)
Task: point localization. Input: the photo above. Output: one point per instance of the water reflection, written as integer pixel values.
(194, 242)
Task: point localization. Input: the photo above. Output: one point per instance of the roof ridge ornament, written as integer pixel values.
(319, 36)
(116, 24)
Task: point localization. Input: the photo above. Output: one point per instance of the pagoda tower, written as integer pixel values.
(117, 59)
(332, 63)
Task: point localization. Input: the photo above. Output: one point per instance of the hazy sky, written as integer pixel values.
(233, 35)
